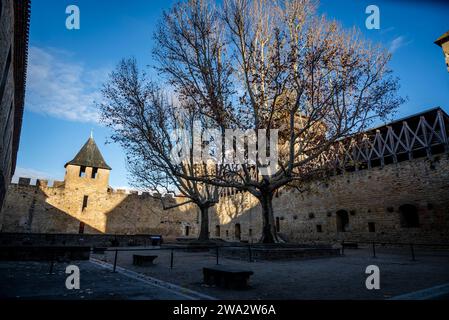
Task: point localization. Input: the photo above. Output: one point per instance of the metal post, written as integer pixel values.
(52, 262)
(217, 253)
(171, 259)
(413, 252)
(115, 260)
(374, 249)
(250, 257)
(342, 248)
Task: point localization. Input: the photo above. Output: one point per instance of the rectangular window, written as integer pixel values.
(371, 227)
(82, 171)
(319, 228)
(94, 173)
(85, 199)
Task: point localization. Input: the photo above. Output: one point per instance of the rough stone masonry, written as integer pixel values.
(401, 195)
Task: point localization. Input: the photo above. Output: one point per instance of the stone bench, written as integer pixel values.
(156, 240)
(142, 260)
(98, 250)
(227, 277)
(350, 245)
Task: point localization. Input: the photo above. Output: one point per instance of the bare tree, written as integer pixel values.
(275, 65)
(145, 123)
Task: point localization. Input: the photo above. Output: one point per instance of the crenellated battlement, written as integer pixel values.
(41, 206)
(84, 202)
(44, 183)
(58, 184)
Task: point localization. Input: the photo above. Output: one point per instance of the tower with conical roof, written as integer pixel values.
(87, 171)
(443, 42)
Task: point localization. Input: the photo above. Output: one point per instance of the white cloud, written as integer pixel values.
(60, 88)
(398, 42)
(31, 173)
(386, 30)
(128, 189)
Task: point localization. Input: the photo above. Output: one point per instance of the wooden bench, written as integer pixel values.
(142, 260)
(227, 277)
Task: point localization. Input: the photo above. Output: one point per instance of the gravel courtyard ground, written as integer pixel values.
(31, 280)
(322, 278)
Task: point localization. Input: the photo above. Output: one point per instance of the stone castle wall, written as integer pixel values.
(372, 200)
(368, 196)
(57, 209)
(6, 96)
(14, 32)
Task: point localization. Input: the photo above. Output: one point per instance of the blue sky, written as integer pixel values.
(67, 67)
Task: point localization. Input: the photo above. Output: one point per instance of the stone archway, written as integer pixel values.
(409, 216)
(217, 231)
(237, 231)
(342, 221)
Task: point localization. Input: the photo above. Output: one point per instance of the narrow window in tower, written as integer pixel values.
(94, 173)
(85, 199)
(82, 171)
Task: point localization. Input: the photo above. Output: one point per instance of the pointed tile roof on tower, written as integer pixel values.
(89, 156)
(444, 38)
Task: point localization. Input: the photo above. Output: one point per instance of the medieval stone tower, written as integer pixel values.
(87, 176)
(85, 203)
(87, 171)
(443, 42)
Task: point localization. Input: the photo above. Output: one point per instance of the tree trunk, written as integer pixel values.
(269, 234)
(204, 224)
